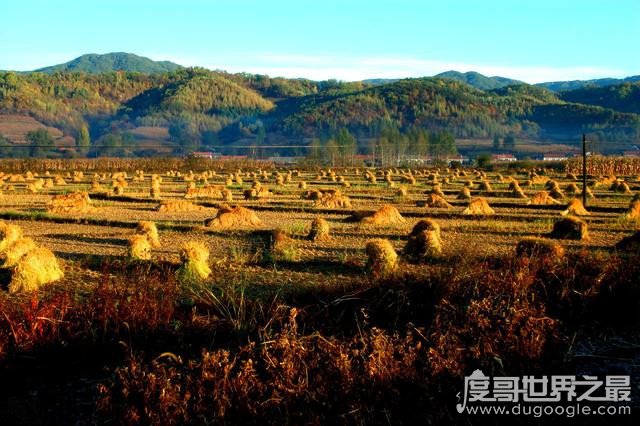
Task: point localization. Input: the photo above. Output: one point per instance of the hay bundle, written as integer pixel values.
(516, 191)
(139, 247)
(575, 208)
(16, 249)
(468, 184)
(382, 258)
(59, 181)
(170, 206)
(424, 241)
(572, 176)
(532, 247)
(149, 229)
(386, 215)
(312, 194)
(35, 269)
(570, 228)
(233, 217)
(437, 201)
(48, 183)
(542, 198)
(634, 211)
(227, 195)
(319, 230)
(478, 207)
(556, 194)
(302, 185)
(572, 189)
(95, 186)
(485, 186)
(77, 202)
(332, 200)
(437, 190)
(155, 192)
(195, 263)
(9, 233)
(209, 191)
(539, 180)
(401, 192)
(464, 194)
(118, 190)
(623, 187)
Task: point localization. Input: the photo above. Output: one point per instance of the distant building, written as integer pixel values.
(631, 154)
(503, 158)
(554, 156)
(203, 154)
(458, 158)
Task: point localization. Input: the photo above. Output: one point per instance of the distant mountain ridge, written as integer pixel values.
(563, 86)
(118, 61)
(479, 81)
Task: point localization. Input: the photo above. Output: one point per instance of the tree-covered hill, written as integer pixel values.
(623, 97)
(119, 61)
(478, 80)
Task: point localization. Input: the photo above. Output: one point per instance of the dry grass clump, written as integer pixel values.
(319, 230)
(195, 263)
(149, 229)
(256, 192)
(478, 207)
(556, 194)
(170, 206)
(210, 191)
(59, 181)
(401, 192)
(33, 270)
(485, 186)
(575, 208)
(333, 200)
(634, 211)
(302, 185)
(382, 258)
(437, 201)
(77, 202)
(516, 191)
(15, 250)
(234, 217)
(139, 247)
(572, 189)
(570, 228)
(312, 194)
(532, 247)
(9, 233)
(542, 198)
(386, 215)
(424, 241)
(464, 194)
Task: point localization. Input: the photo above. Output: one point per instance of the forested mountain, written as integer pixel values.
(119, 61)
(560, 86)
(622, 97)
(478, 80)
(131, 113)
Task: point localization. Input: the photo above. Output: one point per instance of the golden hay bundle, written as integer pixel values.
(589, 193)
(437, 190)
(233, 217)
(48, 183)
(464, 194)
(195, 263)
(539, 180)
(542, 198)
(117, 190)
(437, 201)
(227, 195)
(575, 208)
(333, 200)
(485, 186)
(478, 207)
(77, 202)
(572, 176)
(532, 247)
(35, 269)
(139, 247)
(386, 215)
(155, 192)
(169, 206)
(572, 189)
(149, 229)
(556, 194)
(14, 251)
(8, 234)
(401, 192)
(302, 185)
(468, 184)
(382, 258)
(319, 230)
(570, 228)
(634, 211)
(424, 241)
(95, 186)
(211, 191)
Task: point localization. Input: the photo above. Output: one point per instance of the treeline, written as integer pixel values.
(205, 109)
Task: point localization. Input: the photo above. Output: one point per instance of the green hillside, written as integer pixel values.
(478, 80)
(623, 97)
(119, 61)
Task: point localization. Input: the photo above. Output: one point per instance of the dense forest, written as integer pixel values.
(105, 113)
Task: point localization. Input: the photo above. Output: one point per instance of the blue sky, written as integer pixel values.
(536, 40)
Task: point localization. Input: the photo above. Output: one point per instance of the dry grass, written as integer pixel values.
(570, 228)
(542, 198)
(319, 230)
(74, 203)
(35, 269)
(150, 230)
(424, 241)
(195, 268)
(385, 216)
(575, 208)
(9, 233)
(14, 251)
(539, 248)
(178, 206)
(382, 258)
(139, 247)
(234, 218)
(478, 207)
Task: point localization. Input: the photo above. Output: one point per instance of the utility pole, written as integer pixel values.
(584, 170)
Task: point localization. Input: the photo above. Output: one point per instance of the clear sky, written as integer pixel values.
(531, 40)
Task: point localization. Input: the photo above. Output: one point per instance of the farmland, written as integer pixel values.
(286, 324)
